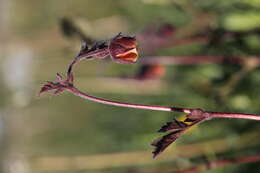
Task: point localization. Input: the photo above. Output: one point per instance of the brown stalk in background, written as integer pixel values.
(193, 60)
(220, 163)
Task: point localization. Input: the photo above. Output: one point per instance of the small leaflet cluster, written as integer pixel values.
(59, 86)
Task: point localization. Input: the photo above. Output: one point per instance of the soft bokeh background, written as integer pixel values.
(68, 134)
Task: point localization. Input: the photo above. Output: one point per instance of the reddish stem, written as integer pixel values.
(88, 55)
(234, 115)
(77, 92)
(221, 163)
(193, 112)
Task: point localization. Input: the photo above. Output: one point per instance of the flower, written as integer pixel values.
(123, 49)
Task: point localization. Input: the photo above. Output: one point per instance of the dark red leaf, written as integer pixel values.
(174, 125)
(162, 143)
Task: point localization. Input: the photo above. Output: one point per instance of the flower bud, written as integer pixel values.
(155, 71)
(123, 49)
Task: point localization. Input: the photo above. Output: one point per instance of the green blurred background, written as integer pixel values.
(68, 134)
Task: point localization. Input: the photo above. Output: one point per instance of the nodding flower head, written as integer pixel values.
(123, 49)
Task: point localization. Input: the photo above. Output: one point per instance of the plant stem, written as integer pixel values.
(83, 95)
(234, 115)
(221, 163)
(249, 65)
(88, 55)
(77, 92)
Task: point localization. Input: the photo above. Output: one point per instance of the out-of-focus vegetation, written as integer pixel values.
(68, 134)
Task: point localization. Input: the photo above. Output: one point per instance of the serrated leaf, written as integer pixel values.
(163, 142)
(174, 125)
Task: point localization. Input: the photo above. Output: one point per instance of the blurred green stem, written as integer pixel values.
(248, 65)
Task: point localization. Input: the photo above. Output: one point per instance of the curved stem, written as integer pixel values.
(77, 92)
(88, 55)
